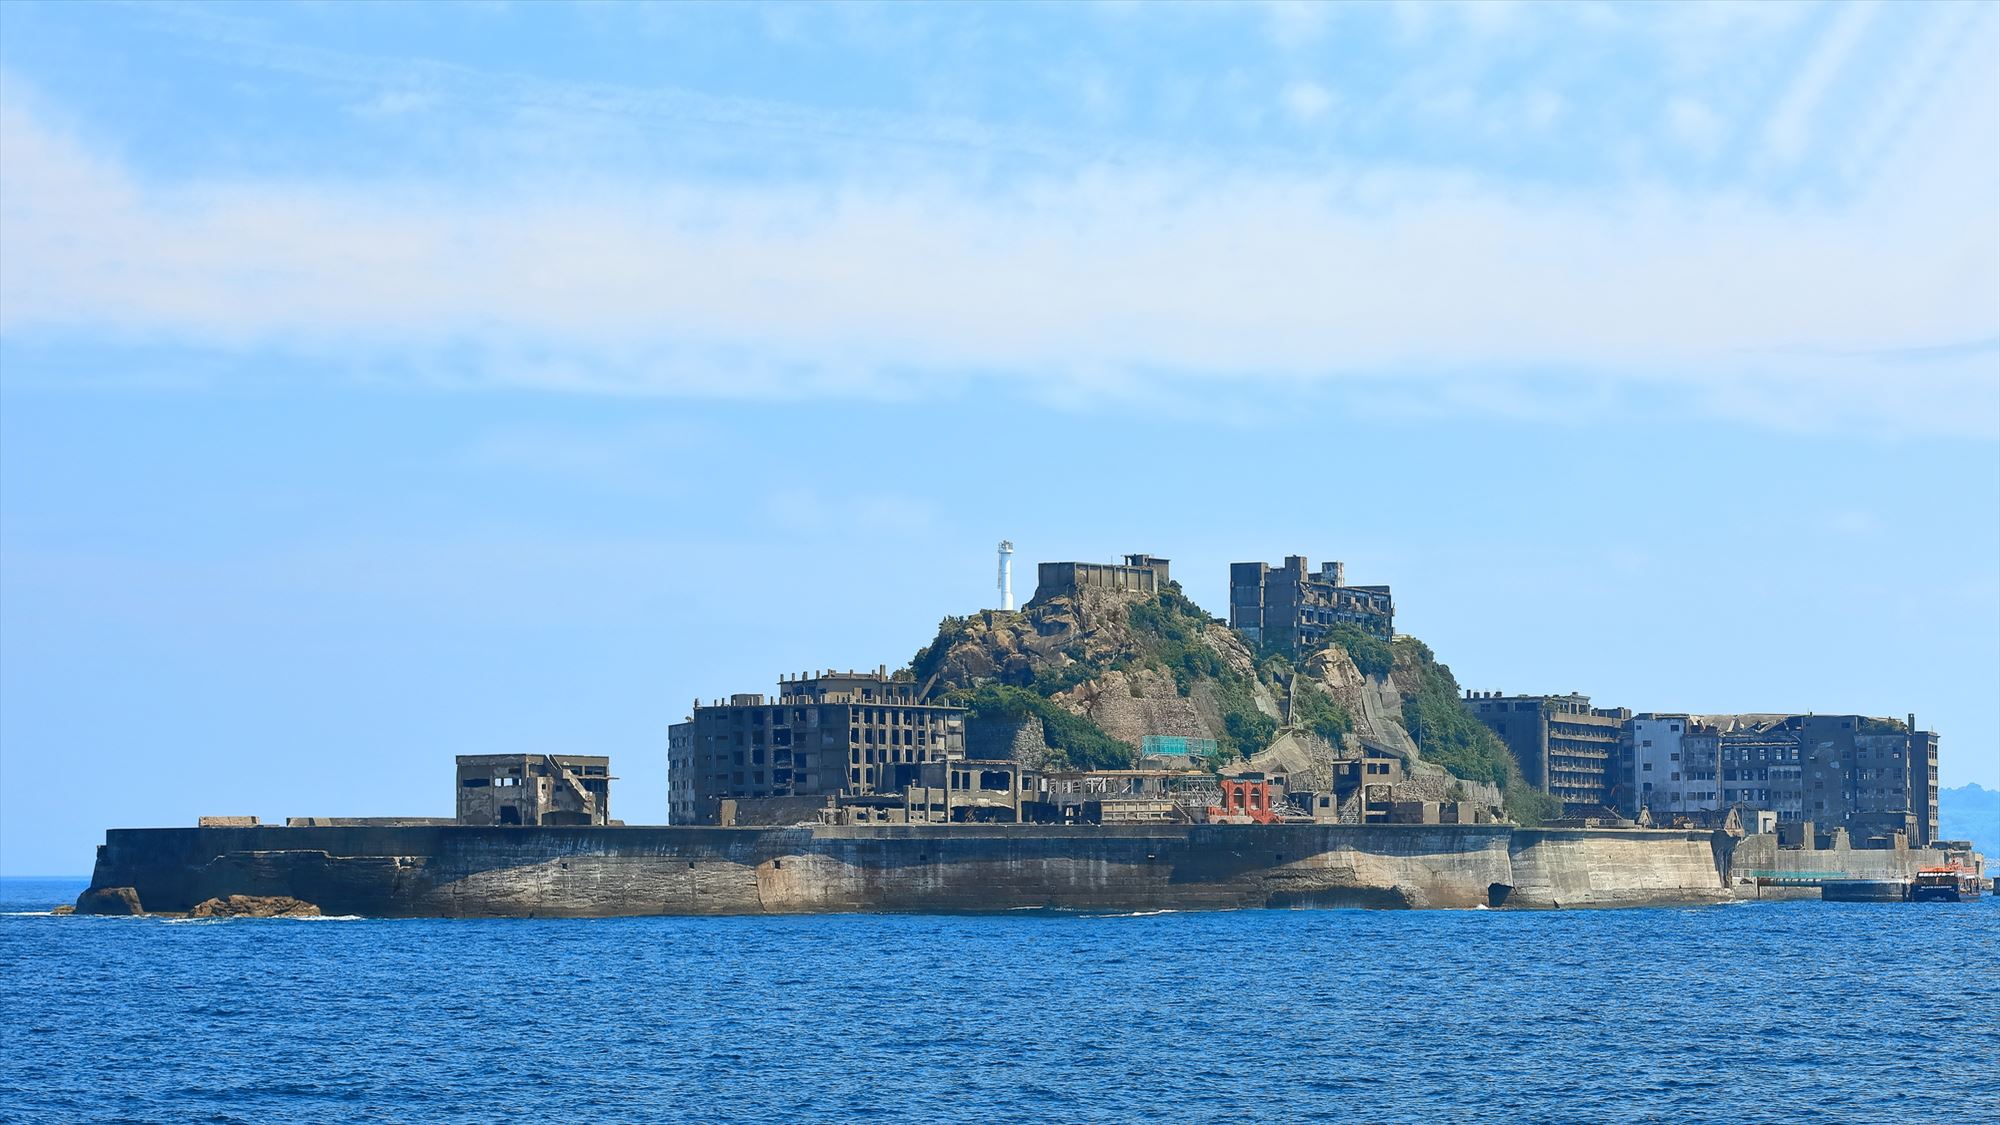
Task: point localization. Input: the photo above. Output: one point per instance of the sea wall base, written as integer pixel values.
(459, 871)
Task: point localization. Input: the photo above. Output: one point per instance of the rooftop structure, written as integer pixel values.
(1292, 607)
(1143, 574)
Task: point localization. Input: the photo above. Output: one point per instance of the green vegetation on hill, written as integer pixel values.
(1372, 655)
(1316, 711)
(932, 656)
(1447, 736)
(1168, 633)
(1081, 743)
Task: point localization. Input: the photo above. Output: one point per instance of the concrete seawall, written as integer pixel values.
(453, 871)
(1616, 866)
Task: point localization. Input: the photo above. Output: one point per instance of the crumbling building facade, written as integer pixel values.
(1877, 778)
(534, 789)
(1291, 607)
(821, 735)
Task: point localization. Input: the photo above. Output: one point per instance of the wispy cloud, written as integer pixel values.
(1788, 130)
(1081, 272)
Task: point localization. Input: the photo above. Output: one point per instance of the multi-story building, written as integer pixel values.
(830, 734)
(1291, 607)
(534, 789)
(1874, 777)
(1761, 765)
(1673, 764)
(1565, 746)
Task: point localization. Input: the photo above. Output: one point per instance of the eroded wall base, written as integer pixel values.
(455, 871)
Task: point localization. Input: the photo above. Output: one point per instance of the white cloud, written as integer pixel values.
(1087, 278)
(1307, 101)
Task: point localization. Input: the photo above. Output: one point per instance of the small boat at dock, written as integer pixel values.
(1951, 883)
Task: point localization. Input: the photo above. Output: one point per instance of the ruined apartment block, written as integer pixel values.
(534, 789)
(1877, 778)
(1566, 747)
(1291, 607)
(830, 734)
(1139, 574)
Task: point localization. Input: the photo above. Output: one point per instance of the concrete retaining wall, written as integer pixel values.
(589, 872)
(1615, 867)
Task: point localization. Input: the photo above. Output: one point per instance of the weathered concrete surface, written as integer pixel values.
(455, 871)
(1563, 867)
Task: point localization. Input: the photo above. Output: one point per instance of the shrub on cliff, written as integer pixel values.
(1317, 712)
(1447, 736)
(1372, 655)
(1081, 742)
(1168, 630)
(931, 657)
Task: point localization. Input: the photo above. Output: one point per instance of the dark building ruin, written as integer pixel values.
(832, 734)
(534, 789)
(1290, 607)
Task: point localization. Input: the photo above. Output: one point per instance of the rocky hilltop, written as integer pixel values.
(1080, 678)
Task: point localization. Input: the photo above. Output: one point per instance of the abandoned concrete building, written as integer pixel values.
(970, 791)
(1291, 607)
(534, 789)
(1875, 778)
(1565, 746)
(1672, 764)
(849, 734)
(1137, 796)
(1140, 574)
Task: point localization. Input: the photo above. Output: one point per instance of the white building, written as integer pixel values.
(1676, 763)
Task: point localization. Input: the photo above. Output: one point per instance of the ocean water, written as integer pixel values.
(1802, 1011)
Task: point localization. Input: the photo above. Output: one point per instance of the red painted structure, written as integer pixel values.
(1244, 797)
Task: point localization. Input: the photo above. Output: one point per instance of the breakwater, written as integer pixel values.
(463, 871)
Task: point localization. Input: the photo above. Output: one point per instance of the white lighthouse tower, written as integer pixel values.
(1007, 574)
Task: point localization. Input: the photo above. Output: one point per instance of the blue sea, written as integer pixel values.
(1803, 1011)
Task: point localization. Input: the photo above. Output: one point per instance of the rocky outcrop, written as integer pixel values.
(1375, 703)
(254, 906)
(1120, 659)
(109, 900)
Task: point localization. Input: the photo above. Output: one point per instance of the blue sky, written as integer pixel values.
(383, 383)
